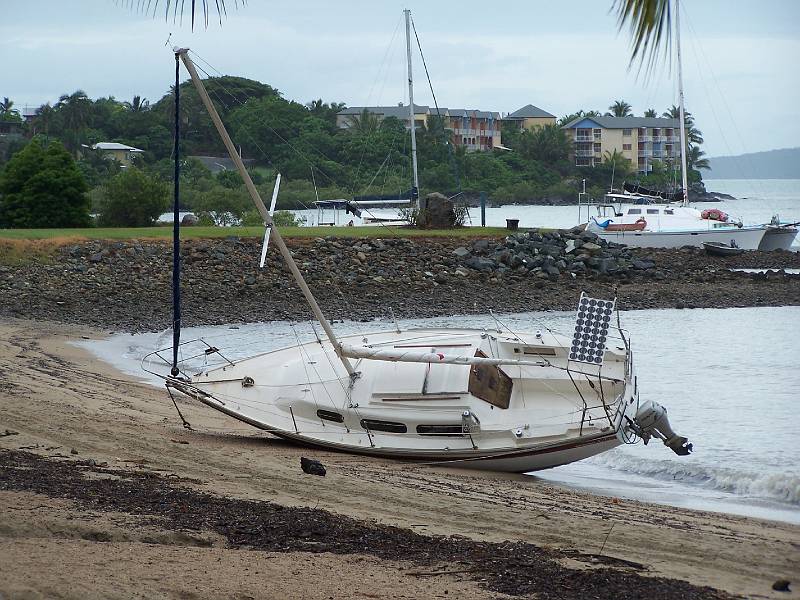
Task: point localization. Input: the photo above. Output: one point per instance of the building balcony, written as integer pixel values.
(584, 138)
(645, 138)
(645, 153)
(588, 153)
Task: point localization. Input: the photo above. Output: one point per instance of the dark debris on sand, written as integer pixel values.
(513, 568)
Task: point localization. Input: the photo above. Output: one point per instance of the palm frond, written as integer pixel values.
(176, 8)
(650, 24)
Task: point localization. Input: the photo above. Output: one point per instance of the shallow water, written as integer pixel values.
(729, 378)
(757, 201)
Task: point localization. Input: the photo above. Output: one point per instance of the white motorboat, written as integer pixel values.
(658, 221)
(490, 399)
(650, 222)
(778, 236)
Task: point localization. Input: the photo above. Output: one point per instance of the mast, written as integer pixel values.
(176, 230)
(415, 189)
(183, 53)
(684, 175)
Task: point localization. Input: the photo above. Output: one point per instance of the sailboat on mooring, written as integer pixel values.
(480, 398)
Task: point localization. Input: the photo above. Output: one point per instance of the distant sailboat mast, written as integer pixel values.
(684, 175)
(415, 189)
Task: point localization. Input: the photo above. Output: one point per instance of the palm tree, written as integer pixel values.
(138, 104)
(695, 160)
(620, 108)
(581, 113)
(650, 113)
(175, 7)
(649, 22)
(365, 123)
(7, 113)
(45, 115)
(75, 109)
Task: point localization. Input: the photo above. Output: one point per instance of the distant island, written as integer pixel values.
(772, 164)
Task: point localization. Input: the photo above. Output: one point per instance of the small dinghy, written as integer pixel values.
(720, 249)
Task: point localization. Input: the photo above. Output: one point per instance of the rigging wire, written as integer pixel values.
(438, 112)
(277, 134)
(695, 45)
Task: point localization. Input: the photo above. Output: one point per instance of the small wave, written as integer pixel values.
(771, 486)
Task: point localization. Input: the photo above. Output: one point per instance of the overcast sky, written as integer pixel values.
(742, 81)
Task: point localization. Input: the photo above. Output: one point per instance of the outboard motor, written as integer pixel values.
(651, 421)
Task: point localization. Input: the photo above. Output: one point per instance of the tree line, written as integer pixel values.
(316, 158)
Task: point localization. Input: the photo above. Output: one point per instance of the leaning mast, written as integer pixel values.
(183, 53)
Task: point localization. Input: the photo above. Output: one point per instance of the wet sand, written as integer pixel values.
(91, 420)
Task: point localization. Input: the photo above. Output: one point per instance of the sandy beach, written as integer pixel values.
(62, 540)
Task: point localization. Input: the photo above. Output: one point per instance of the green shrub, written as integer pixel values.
(133, 199)
(42, 187)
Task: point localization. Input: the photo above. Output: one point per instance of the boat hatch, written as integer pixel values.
(490, 384)
(634, 211)
(448, 430)
(329, 415)
(653, 211)
(387, 426)
(536, 351)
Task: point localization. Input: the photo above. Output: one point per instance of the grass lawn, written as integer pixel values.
(128, 233)
(21, 246)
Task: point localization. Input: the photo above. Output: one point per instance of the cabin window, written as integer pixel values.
(330, 415)
(387, 426)
(536, 351)
(634, 211)
(652, 211)
(448, 430)
(490, 384)
(669, 211)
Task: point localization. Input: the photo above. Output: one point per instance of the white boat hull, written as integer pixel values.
(414, 411)
(778, 238)
(747, 238)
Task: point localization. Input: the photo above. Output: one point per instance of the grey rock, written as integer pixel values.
(591, 247)
(480, 245)
(462, 252)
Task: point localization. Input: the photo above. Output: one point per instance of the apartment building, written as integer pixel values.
(472, 129)
(530, 117)
(642, 140)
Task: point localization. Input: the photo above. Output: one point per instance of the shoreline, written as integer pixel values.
(58, 398)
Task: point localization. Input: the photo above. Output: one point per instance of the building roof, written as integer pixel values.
(529, 111)
(400, 111)
(114, 146)
(625, 122)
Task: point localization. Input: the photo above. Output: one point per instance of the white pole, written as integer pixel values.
(284, 250)
(415, 190)
(684, 175)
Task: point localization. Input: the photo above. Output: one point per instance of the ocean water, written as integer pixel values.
(728, 378)
(757, 201)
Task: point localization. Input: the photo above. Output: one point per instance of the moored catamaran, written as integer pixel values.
(479, 398)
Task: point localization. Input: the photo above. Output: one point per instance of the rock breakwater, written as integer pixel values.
(126, 285)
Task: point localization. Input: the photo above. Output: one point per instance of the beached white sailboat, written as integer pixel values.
(651, 221)
(488, 398)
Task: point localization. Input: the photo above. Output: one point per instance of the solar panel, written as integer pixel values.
(591, 330)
